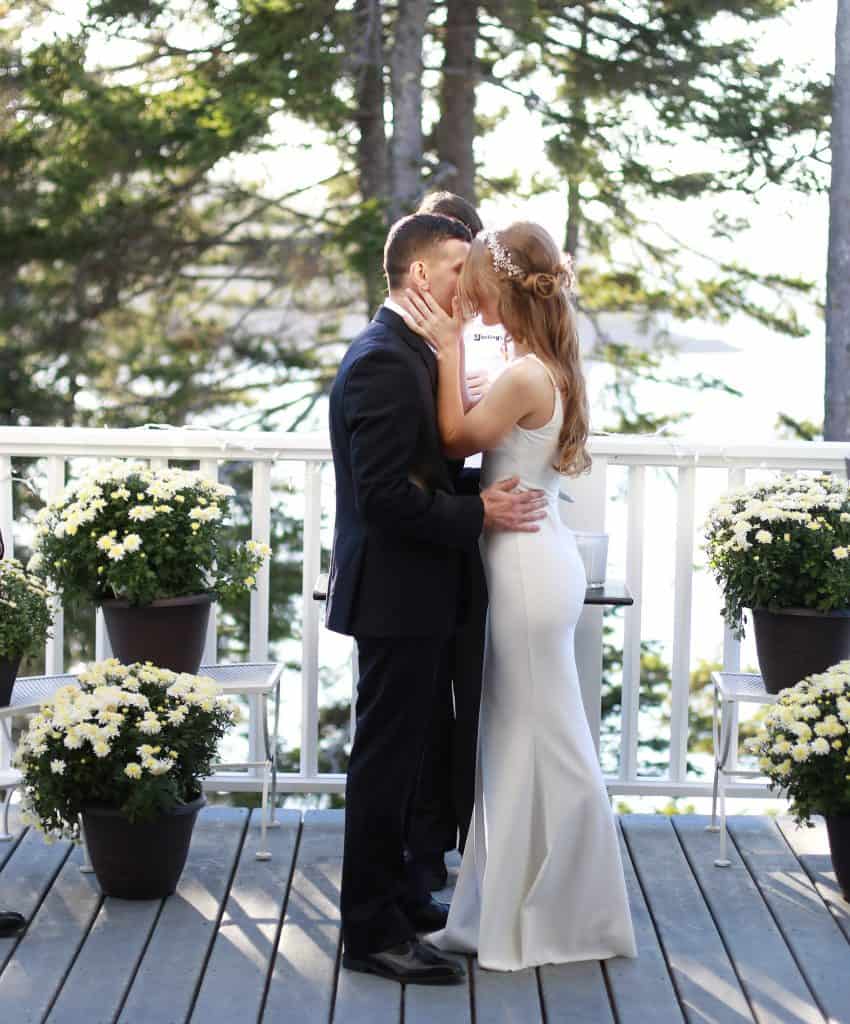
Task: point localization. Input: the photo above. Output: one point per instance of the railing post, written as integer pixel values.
(261, 503)
(311, 565)
(54, 655)
(209, 469)
(732, 649)
(587, 512)
(630, 697)
(682, 598)
(7, 515)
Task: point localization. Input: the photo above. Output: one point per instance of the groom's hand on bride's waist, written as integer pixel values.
(506, 508)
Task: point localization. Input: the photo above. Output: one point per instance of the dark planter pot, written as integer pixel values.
(8, 672)
(795, 642)
(169, 632)
(838, 829)
(140, 861)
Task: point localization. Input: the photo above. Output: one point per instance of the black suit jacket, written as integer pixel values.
(402, 534)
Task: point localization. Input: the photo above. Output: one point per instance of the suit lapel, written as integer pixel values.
(415, 341)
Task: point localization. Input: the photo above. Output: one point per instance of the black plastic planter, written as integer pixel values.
(795, 642)
(170, 632)
(140, 861)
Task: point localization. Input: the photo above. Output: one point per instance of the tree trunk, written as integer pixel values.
(578, 110)
(456, 129)
(406, 71)
(837, 404)
(372, 144)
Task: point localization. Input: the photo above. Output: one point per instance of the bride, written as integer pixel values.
(541, 879)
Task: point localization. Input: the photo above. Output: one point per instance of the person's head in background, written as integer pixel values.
(450, 205)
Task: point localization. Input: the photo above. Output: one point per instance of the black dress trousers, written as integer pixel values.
(395, 693)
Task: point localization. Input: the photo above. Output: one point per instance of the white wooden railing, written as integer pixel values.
(684, 460)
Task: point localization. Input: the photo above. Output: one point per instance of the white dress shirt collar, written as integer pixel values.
(394, 307)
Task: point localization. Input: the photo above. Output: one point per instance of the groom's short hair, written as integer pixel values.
(413, 237)
(449, 204)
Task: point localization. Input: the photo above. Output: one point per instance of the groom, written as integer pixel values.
(400, 543)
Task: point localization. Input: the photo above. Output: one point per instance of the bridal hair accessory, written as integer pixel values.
(501, 258)
(540, 283)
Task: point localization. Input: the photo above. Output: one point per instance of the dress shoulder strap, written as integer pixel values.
(549, 373)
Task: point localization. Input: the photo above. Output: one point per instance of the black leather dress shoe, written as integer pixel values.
(429, 917)
(411, 963)
(11, 923)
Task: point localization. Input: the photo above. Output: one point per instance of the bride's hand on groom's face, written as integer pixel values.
(506, 508)
(427, 317)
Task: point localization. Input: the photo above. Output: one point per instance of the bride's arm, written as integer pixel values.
(467, 430)
(511, 397)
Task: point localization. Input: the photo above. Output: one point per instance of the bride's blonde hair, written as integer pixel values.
(523, 267)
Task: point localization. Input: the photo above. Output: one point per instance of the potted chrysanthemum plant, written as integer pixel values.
(781, 550)
(802, 747)
(151, 548)
(124, 752)
(24, 620)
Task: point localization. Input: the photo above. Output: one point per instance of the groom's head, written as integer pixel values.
(426, 252)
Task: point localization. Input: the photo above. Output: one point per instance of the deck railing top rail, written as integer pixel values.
(190, 442)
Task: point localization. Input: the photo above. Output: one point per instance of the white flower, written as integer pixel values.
(132, 542)
(820, 746)
(105, 542)
(133, 770)
(840, 553)
(141, 513)
(801, 752)
(764, 537)
(116, 552)
(255, 547)
(150, 724)
(57, 767)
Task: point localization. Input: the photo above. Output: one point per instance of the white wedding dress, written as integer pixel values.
(541, 879)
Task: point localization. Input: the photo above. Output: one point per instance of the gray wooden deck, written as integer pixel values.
(765, 940)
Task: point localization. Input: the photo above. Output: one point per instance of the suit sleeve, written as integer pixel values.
(383, 412)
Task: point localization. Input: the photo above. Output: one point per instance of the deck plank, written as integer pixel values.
(367, 999)
(43, 957)
(777, 992)
(705, 980)
(303, 977)
(8, 846)
(820, 948)
(811, 848)
(506, 997)
(641, 988)
(26, 876)
(234, 983)
(101, 975)
(170, 971)
(575, 992)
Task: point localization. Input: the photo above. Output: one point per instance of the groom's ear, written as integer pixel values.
(418, 275)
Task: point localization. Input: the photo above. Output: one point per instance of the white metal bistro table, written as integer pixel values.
(259, 680)
(730, 690)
